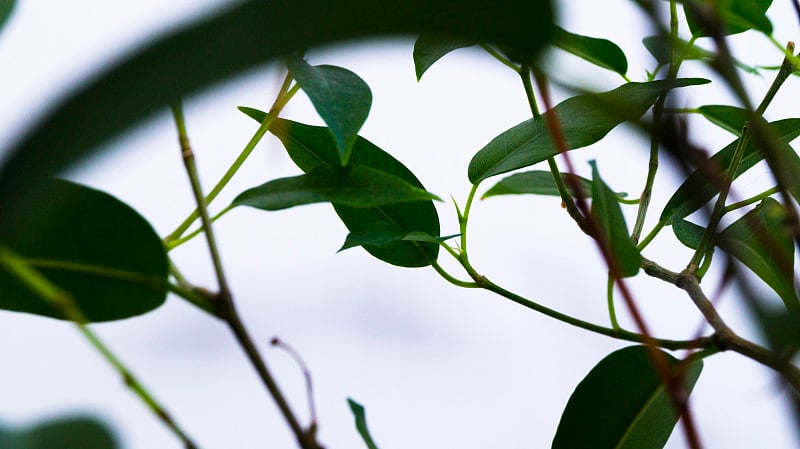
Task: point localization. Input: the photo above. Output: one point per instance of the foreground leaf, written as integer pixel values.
(729, 118)
(622, 404)
(429, 48)
(537, 182)
(584, 119)
(91, 245)
(70, 432)
(386, 235)
(608, 215)
(312, 146)
(697, 190)
(600, 52)
(357, 186)
(340, 97)
(737, 16)
(361, 423)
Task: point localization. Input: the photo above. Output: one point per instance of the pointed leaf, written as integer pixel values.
(91, 245)
(361, 423)
(356, 186)
(6, 8)
(312, 146)
(688, 233)
(622, 404)
(600, 52)
(537, 182)
(736, 15)
(584, 119)
(659, 46)
(729, 118)
(697, 190)
(340, 97)
(608, 215)
(67, 433)
(429, 48)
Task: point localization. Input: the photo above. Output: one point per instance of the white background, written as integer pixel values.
(435, 366)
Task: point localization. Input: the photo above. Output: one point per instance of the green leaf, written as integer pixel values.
(312, 146)
(385, 235)
(6, 8)
(70, 432)
(361, 423)
(91, 245)
(688, 233)
(429, 48)
(537, 182)
(356, 186)
(659, 46)
(234, 39)
(737, 16)
(697, 190)
(622, 404)
(608, 215)
(584, 119)
(729, 118)
(340, 97)
(600, 52)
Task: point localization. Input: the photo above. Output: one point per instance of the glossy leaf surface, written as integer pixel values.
(600, 52)
(729, 118)
(737, 16)
(236, 38)
(660, 46)
(429, 48)
(621, 404)
(92, 246)
(312, 146)
(340, 97)
(697, 190)
(537, 182)
(357, 186)
(379, 236)
(361, 423)
(584, 119)
(64, 433)
(608, 215)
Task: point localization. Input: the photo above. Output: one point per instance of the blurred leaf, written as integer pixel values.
(340, 97)
(356, 186)
(608, 215)
(89, 244)
(622, 404)
(236, 38)
(429, 48)
(537, 182)
(659, 47)
(361, 423)
(312, 146)
(584, 119)
(6, 8)
(384, 235)
(697, 190)
(600, 52)
(71, 432)
(729, 118)
(736, 15)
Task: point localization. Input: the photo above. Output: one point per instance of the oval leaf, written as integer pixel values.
(312, 146)
(737, 16)
(600, 52)
(68, 432)
(340, 97)
(356, 186)
(91, 245)
(584, 119)
(622, 404)
(6, 8)
(607, 213)
(537, 182)
(659, 46)
(729, 118)
(429, 48)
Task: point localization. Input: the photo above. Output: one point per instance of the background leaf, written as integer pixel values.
(736, 15)
(659, 46)
(72, 432)
(729, 118)
(6, 8)
(621, 404)
(585, 119)
(312, 146)
(600, 52)
(607, 213)
(357, 186)
(340, 97)
(361, 423)
(537, 182)
(90, 245)
(429, 48)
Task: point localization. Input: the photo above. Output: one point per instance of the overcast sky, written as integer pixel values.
(434, 365)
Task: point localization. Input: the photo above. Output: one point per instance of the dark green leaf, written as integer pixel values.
(736, 16)
(312, 146)
(537, 182)
(584, 119)
(659, 47)
(361, 423)
(688, 233)
(71, 432)
(237, 38)
(697, 190)
(729, 118)
(6, 8)
(429, 48)
(340, 97)
(622, 404)
(600, 52)
(91, 245)
(385, 235)
(608, 215)
(356, 186)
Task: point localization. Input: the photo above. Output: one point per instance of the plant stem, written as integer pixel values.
(61, 300)
(505, 61)
(751, 200)
(180, 241)
(612, 313)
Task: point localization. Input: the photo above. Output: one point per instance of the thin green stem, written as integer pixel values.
(176, 243)
(450, 278)
(505, 61)
(464, 218)
(612, 312)
(651, 235)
